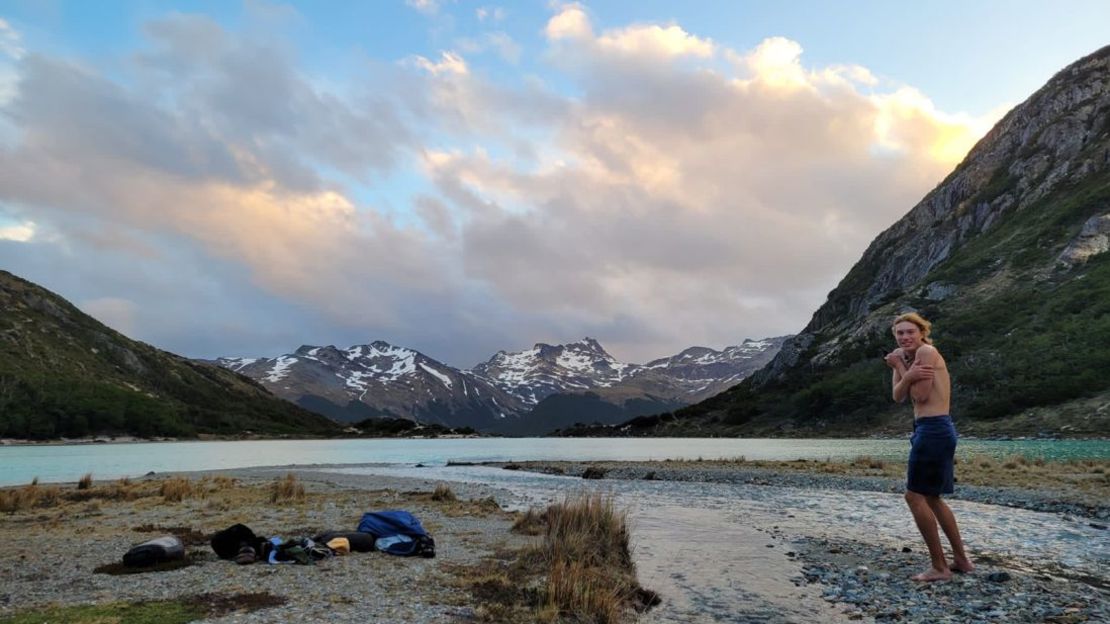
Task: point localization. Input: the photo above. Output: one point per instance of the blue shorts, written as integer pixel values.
(932, 456)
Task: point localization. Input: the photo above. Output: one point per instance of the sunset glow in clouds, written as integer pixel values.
(223, 185)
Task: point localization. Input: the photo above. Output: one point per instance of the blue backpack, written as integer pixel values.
(398, 532)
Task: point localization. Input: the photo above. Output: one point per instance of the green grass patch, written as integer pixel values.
(179, 611)
(162, 612)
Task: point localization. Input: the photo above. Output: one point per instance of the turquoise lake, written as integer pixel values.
(20, 464)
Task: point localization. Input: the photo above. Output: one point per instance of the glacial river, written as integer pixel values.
(52, 463)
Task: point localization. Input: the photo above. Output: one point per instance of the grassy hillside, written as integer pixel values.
(62, 373)
(1021, 335)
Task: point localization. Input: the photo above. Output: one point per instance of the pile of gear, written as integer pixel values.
(394, 531)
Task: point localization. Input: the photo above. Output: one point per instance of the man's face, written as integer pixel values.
(908, 336)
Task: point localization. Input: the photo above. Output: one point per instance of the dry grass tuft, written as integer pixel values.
(29, 496)
(222, 482)
(177, 489)
(286, 489)
(531, 522)
(85, 482)
(866, 461)
(581, 570)
(443, 493)
(591, 575)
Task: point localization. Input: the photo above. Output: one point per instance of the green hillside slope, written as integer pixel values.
(62, 373)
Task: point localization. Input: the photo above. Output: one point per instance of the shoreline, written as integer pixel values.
(1094, 504)
(862, 574)
(127, 439)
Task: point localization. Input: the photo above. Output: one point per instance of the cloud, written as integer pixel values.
(704, 203)
(656, 41)
(686, 193)
(11, 50)
(449, 63)
(501, 43)
(491, 13)
(20, 233)
(11, 44)
(570, 23)
(427, 7)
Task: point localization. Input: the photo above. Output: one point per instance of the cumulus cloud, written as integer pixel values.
(653, 40)
(20, 233)
(686, 193)
(703, 203)
(570, 23)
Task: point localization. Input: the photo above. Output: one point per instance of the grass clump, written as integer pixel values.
(531, 522)
(592, 577)
(443, 493)
(85, 482)
(27, 497)
(177, 489)
(580, 571)
(286, 489)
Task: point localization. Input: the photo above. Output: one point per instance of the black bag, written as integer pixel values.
(360, 542)
(425, 547)
(228, 542)
(158, 550)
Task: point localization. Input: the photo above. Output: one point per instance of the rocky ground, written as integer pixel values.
(863, 568)
(1035, 493)
(722, 542)
(50, 554)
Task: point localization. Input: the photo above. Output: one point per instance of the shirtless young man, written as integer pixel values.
(920, 374)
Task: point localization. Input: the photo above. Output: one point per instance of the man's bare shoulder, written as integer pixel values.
(928, 354)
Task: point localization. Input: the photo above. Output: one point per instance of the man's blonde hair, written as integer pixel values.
(916, 319)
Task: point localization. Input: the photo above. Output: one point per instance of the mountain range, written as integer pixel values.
(1007, 256)
(527, 392)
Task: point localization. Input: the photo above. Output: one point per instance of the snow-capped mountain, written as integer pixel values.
(526, 392)
(379, 379)
(545, 369)
(690, 376)
(705, 372)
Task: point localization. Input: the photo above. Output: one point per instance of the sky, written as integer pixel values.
(241, 178)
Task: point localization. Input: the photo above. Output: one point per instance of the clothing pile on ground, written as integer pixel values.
(394, 531)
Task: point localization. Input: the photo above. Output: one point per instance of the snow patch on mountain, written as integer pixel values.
(438, 375)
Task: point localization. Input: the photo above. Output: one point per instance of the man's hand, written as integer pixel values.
(894, 358)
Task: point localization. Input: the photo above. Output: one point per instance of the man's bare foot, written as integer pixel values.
(961, 566)
(932, 574)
